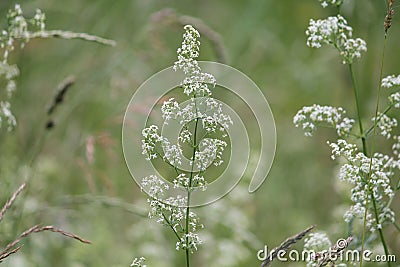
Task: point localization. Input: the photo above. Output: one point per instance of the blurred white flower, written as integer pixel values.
(367, 176)
(391, 81)
(316, 242)
(335, 31)
(196, 82)
(308, 118)
(325, 3)
(385, 124)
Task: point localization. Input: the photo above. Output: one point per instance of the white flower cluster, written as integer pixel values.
(210, 149)
(335, 31)
(210, 152)
(150, 141)
(396, 146)
(325, 31)
(196, 82)
(206, 109)
(394, 99)
(17, 28)
(316, 242)
(138, 262)
(155, 186)
(391, 81)
(197, 181)
(308, 118)
(367, 176)
(325, 3)
(189, 241)
(352, 48)
(153, 140)
(385, 124)
(172, 212)
(5, 113)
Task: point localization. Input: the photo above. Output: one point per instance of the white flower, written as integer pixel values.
(391, 81)
(197, 181)
(5, 113)
(208, 110)
(181, 181)
(315, 242)
(355, 211)
(169, 110)
(396, 146)
(342, 148)
(325, 3)
(368, 176)
(210, 152)
(335, 31)
(151, 138)
(352, 49)
(185, 136)
(39, 19)
(387, 215)
(193, 241)
(308, 118)
(196, 82)
(172, 153)
(155, 186)
(385, 124)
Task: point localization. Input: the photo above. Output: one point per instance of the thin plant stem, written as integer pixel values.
(367, 132)
(364, 146)
(189, 187)
(381, 236)
(355, 90)
(170, 225)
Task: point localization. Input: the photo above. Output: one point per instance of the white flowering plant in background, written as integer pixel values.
(19, 31)
(203, 133)
(316, 242)
(372, 176)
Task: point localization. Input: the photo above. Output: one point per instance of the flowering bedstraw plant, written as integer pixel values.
(203, 133)
(373, 176)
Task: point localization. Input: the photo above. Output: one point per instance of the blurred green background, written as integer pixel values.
(77, 177)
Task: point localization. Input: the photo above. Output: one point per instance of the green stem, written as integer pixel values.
(367, 132)
(364, 146)
(355, 90)
(170, 225)
(189, 189)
